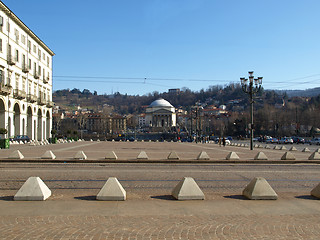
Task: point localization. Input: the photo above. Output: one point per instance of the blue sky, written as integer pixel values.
(142, 46)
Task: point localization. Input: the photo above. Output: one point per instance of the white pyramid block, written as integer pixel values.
(283, 148)
(48, 155)
(288, 156)
(260, 146)
(259, 189)
(276, 148)
(143, 155)
(293, 149)
(316, 191)
(314, 156)
(203, 156)
(260, 156)
(16, 155)
(306, 150)
(112, 191)
(256, 146)
(173, 155)
(34, 189)
(267, 147)
(80, 156)
(187, 189)
(111, 156)
(232, 156)
(318, 150)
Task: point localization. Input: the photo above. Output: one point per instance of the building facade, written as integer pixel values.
(160, 115)
(25, 79)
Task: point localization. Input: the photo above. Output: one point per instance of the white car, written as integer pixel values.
(285, 140)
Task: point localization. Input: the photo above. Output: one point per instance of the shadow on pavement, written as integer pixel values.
(307, 197)
(6, 198)
(238, 197)
(164, 197)
(86, 198)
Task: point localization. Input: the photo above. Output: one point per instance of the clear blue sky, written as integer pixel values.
(118, 43)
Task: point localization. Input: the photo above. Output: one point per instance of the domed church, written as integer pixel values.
(160, 115)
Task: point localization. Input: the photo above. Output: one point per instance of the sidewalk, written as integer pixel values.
(161, 217)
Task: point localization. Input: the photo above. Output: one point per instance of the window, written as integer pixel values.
(39, 54)
(23, 39)
(39, 72)
(29, 86)
(48, 61)
(29, 46)
(0, 45)
(1, 76)
(34, 48)
(8, 26)
(44, 56)
(24, 84)
(16, 33)
(17, 55)
(17, 81)
(1, 23)
(29, 64)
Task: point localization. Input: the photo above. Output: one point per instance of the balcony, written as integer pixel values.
(42, 100)
(36, 75)
(46, 79)
(50, 104)
(5, 89)
(25, 68)
(19, 94)
(31, 98)
(11, 60)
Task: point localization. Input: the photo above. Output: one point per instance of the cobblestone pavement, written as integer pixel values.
(161, 227)
(149, 212)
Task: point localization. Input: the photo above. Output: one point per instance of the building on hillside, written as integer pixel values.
(25, 79)
(160, 115)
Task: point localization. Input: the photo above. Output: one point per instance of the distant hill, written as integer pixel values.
(311, 92)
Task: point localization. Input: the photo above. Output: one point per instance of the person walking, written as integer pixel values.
(224, 141)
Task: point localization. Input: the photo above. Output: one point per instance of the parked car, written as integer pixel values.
(315, 141)
(272, 140)
(286, 140)
(23, 138)
(298, 140)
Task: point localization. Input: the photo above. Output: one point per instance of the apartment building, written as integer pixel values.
(25, 79)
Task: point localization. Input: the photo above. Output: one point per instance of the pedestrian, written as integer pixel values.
(219, 141)
(224, 141)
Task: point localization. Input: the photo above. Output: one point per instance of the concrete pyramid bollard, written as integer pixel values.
(318, 150)
(260, 146)
(34, 189)
(187, 189)
(16, 155)
(316, 191)
(260, 156)
(293, 148)
(283, 148)
(288, 156)
(173, 156)
(314, 156)
(232, 156)
(48, 155)
(112, 191)
(276, 148)
(203, 156)
(80, 156)
(256, 146)
(111, 156)
(267, 147)
(306, 150)
(143, 156)
(259, 189)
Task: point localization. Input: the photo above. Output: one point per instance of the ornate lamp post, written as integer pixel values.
(251, 87)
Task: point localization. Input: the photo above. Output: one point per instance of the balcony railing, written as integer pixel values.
(36, 75)
(31, 98)
(19, 94)
(46, 79)
(11, 60)
(50, 104)
(42, 100)
(5, 89)
(25, 68)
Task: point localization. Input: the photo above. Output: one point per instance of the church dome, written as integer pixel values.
(160, 103)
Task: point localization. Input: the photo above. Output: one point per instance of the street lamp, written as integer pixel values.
(251, 87)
